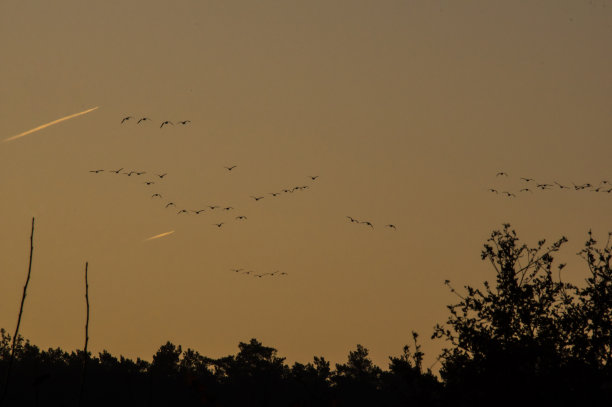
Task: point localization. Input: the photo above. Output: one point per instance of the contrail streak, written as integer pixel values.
(160, 235)
(25, 133)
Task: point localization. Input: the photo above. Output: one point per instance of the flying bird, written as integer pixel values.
(257, 198)
(181, 211)
(166, 122)
(126, 118)
(170, 204)
(218, 224)
(230, 168)
(212, 207)
(526, 179)
(156, 196)
(241, 217)
(367, 224)
(117, 171)
(313, 177)
(237, 270)
(391, 226)
(149, 183)
(140, 172)
(161, 176)
(353, 220)
(197, 212)
(228, 208)
(96, 171)
(494, 190)
(184, 122)
(274, 193)
(505, 174)
(142, 120)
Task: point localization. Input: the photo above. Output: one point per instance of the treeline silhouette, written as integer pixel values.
(529, 338)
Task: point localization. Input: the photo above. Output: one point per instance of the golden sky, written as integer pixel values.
(405, 110)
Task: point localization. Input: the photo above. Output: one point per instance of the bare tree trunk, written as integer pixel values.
(85, 355)
(25, 288)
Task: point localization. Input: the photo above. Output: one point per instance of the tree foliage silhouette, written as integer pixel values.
(529, 332)
(530, 337)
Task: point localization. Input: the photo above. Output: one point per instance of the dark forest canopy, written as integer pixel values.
(527, 338)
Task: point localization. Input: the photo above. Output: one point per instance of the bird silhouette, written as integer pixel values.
(367, 224)
(237, 270)
(96, 171)
(140, 172)
(170, 204)
(257, 198)
(494, 190)
(184, 122)
(353, 220)
(156, 196)
(505, 174)
(142, 120)
(126, 118)
(274, 193)
(218, 224)
(149, 183)
(561, 186)
(313, 177)
(213, 207)
(228, 208)
(161, 176)
(198, 211)
(525, 190)
(231, 168)
(117, 171)
(241, 217)
(391, 226)
(182, 211)
(527, 179)
(166, 122)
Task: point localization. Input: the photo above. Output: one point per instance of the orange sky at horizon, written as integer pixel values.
(405, 110)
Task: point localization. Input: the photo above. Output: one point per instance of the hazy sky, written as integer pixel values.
(405, 109)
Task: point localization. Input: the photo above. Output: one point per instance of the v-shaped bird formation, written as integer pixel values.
(150, 181)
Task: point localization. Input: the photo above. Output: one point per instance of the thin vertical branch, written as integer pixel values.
(25, 288)
(85, 354)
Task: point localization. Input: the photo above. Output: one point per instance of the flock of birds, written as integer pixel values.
(151, 180)
(531, 185)
(145, 119)
(368, 223)
(260, 275)
(170, 204)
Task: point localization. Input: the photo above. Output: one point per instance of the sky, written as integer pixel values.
(405, 110)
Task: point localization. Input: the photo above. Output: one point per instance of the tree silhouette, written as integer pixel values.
(527, 338)
(518, 337)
